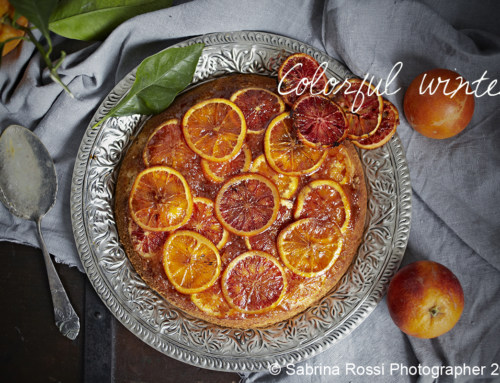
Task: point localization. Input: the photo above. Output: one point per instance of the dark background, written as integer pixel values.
(33, 350)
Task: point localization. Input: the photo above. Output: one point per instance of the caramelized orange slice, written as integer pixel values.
(362, 104)
(301, 291)
(300, 74)
(147, 244)
(320, 122)
(324, 200)
(220, 171)
(254, 282)
(204, 222)
(266, 241)
(309, 248)
(259, 106)
(247, 204)
(337, 166)
(160, 199)
(212, 302)
(387, 128)
(191, 261)
(166, 146)
(286, 153)
(215, 129)
(287, 185)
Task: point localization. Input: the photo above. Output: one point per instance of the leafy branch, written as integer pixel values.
(75, 19)
(38, 13)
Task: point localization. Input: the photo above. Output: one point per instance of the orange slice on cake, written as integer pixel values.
(362, 104)
(308, 248)
(326, 201)
(337, 166)
(166, 146)
(286, 153)
(254, 282)
(387, 128)
(204, 222)
(259, 106)
(287, 185)
(220, 171)
(215, 129)
(191, 261)
(247, 204)
(160, 199)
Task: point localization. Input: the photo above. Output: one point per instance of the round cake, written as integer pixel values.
(226, 213)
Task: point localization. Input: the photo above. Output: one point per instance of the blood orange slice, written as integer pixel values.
(247, 204)
(319, 121)
(204, 222)
(362, 104)
(287, 185)
(166, 146)
(300, 74)
(147, 244)
(259, 106)
(191, 261)
(301, 291)
(266, 241)
(308, 248)
(324, 200)
(220, 171)
(215, 129)
(254, 282)
(212, 302)
(286, 153)
(387, 128)
(337, 166)
(160, 199)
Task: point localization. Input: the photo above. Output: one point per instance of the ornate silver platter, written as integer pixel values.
(194, 341)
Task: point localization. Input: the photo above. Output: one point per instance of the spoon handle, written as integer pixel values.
(66, 318)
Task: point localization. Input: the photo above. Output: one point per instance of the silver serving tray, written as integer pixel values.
(195, 341)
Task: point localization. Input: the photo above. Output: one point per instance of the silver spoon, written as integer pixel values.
(28, 188)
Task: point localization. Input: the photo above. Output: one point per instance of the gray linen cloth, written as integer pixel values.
(456, 182)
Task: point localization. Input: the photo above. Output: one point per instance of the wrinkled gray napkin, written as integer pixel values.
(456, 182)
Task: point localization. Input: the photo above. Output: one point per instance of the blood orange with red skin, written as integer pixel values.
(319, 121)
(425, 299)
(441, 114)
(300, 74)
(387, 128)
(259, 106)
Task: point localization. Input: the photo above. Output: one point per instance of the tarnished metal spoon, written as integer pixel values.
(28, 188)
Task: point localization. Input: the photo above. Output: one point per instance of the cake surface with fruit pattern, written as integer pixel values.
(226, 213)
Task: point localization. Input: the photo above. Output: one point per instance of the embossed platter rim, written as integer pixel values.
(194, 341)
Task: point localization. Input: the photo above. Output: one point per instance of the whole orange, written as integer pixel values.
(439, 103)
(8, 32)
(425, 299)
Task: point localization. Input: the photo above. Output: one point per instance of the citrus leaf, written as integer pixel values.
(37, 12)
(95, 19)
(159, 78)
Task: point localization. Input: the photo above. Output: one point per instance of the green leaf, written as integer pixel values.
(159, 79)
(37, 12)
(95, 19)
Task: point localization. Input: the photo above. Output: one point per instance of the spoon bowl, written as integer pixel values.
(28, 188)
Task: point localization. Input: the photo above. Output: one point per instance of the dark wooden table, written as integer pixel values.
(33, 350)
